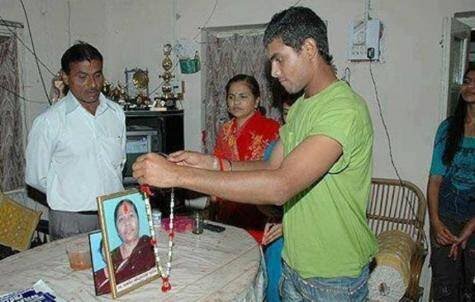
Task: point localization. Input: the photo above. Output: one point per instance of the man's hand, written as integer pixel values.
(155, 170)
(272, 231)
(442, 234)
(194, 159)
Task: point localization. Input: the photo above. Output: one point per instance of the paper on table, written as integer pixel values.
(39, 292)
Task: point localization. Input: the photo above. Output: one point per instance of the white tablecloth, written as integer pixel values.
(208, 267)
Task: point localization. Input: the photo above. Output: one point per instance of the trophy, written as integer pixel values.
(168, 97)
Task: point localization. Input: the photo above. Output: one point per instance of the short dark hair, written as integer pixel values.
(249, 80)
(81, 51)
(296, 24)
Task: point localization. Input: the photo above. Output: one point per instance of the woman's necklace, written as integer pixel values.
(166, 286)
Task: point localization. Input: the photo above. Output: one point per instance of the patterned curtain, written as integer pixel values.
(12, 160)
(226, 57)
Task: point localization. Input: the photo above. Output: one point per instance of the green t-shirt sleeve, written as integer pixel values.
(338, 123)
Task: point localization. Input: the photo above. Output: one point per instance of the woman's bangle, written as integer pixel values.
(221, 165)
(219, 160)
(215, 163)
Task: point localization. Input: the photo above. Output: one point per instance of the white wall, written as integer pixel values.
(131, 34)
(408, 80)
(47, 21)
(128, 33)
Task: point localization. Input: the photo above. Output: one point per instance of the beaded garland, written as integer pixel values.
(166, 286)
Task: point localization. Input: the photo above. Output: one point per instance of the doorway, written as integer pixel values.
(458, 43)
(230, 51)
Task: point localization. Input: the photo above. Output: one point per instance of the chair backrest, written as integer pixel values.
(397, 205)
(17, 223)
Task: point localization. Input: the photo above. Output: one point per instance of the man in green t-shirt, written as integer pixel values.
(320, 170)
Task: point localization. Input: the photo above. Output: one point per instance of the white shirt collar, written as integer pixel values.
(72, 103)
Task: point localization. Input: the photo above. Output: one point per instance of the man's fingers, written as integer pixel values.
(177, 153)
(140, 158)
(140, 165)
(177, 156)
(138, 172)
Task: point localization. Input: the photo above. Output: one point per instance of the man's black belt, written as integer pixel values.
(88, 212)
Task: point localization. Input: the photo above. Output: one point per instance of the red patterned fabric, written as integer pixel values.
(249, 141)
(245, 143)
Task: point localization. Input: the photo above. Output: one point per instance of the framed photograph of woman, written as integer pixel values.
(126, 231)
(99, 264)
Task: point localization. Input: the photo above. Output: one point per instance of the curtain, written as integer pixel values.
(224, 58)
(12, 160)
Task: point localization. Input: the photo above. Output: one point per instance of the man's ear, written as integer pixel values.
(64, 77)
(310, 47)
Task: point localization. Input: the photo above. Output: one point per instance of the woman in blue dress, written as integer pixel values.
(451, 199)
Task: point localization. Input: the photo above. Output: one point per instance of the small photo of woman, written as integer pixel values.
(99, 265)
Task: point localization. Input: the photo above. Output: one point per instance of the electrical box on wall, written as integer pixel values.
(364, 40)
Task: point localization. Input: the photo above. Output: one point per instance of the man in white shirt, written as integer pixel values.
(76, 149)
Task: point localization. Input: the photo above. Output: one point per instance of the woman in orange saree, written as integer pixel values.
(244, 137)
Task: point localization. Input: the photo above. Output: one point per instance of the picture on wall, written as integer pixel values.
(128, 247)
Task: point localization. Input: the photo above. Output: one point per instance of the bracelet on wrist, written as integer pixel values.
(221, 165)
(215, 163)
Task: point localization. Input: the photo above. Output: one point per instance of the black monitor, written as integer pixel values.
(140, 140)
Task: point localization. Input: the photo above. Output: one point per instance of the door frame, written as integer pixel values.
(447, 34)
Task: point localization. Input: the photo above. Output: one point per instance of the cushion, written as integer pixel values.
(17, 223)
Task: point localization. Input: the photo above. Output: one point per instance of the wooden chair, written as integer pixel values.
(401, 205)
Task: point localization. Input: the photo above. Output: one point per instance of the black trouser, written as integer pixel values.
(452, 280)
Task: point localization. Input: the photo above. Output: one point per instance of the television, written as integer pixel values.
(140, 140)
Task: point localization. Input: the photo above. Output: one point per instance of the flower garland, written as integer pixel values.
(166, 286)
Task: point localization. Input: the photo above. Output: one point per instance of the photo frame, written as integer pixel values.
(127, 234)
(136, 82)
(99, 264)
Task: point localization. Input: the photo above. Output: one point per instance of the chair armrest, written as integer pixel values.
(413, 291)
